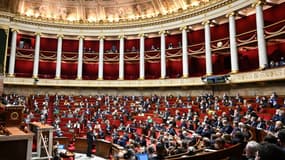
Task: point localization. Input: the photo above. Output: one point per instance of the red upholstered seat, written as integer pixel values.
(71, 148)
(116, 123)
(265, 116)
(139, 131)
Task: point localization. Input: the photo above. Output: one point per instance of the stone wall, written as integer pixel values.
(251, 89)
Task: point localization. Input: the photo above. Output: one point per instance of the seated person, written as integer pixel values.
(250, 150)
(134, 49)
(170, 46)
(267, 151)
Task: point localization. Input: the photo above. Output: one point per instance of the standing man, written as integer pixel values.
(90, 139)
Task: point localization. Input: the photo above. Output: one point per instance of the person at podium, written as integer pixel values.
(90, 140)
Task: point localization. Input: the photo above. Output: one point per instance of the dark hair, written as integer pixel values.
(270, 139)
(160, 150)
(268, 151)
(281, 135)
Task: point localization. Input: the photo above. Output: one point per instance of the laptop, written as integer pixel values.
(142, 156)
(61, 148)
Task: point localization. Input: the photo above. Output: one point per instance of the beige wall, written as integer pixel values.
(243, 89)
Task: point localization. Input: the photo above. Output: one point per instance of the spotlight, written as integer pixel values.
(36, 80)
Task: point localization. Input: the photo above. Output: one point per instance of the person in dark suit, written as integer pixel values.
(90, 139)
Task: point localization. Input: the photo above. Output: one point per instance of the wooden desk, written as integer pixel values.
(103, 148)
(118, 152)
(81, 145)
(42, 130)
(18, 145)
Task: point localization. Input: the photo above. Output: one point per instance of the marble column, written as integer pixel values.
(58, 58)
(80, 58)
(184, 52)
(101, 58)
(233, 43)
(142, 55)
(13, 53)
(162, 55)
(208, 54)
(262, 55)
(37, 55)
(121, 58)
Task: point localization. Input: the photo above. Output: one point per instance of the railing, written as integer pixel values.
(246, 77)
(243, 39)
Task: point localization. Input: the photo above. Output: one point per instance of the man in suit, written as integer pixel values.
(90, 139)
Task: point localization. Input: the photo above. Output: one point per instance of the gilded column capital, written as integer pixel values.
(59, 36)
(101, 37)
(142, 35)
(163, 32)
(38, 33)
(80, 37)
(121, 36)
(183, 28)
(258, 3)
(231, 14)
(15, 30)
(205, 22)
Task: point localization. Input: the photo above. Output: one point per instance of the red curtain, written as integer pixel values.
(109, 43)
(198, 66)
(93, 45)
(174, 39)
(195, 37)
(281, 49)
(132, 43)
(24, 68)
(274, 14)
(248, 59)
(174, 68)
(69, 45)
(47, 69)
(218, 62)
(152, 69)
(151, 41)
(132, 70)
(272, 52)
(111, 70)
(68, 70)
(90, 70)
(245, 24)
(220, 31)
(48, 44)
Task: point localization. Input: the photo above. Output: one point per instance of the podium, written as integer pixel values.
(12, 115)
(44, 137)
(103, 148)
(17, 143)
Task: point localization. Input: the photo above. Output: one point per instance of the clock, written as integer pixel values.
(14, 116)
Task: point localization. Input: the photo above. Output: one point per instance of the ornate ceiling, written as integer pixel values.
(105, 10)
